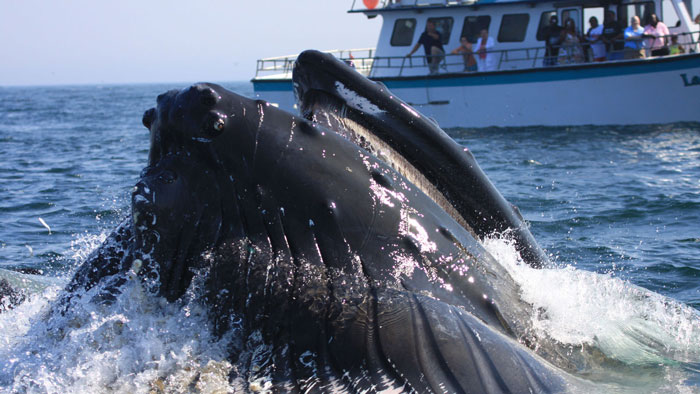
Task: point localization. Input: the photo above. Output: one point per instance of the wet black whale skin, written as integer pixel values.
(346, 275)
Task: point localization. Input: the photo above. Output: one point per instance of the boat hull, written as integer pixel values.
(646, 91)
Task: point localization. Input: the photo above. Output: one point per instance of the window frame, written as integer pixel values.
(445, 37)
(521, 31)
(394, 37)
(623, 17)
(478, 27)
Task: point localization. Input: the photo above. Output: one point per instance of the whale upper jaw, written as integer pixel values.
(335, 95)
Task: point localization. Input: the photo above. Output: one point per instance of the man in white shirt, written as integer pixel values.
(485, 59)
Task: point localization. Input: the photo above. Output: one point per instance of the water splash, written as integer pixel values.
(617, 323)
(138, 343)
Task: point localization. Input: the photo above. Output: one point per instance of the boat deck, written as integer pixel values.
(364, 61)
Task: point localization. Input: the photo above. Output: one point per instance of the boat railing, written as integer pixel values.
(388, 4)
(496, 60)
(505, 59)
(281, 66)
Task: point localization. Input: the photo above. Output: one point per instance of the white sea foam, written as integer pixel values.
(137, 344)
(626, 323)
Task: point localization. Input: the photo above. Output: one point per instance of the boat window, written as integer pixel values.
(444, 26)
(403, 32)
(642, 10)
(544, 22)
(513, 27)
(668, 14)
(574, 15)
(473, 26)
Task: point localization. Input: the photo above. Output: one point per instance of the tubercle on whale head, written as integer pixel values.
(193, 117)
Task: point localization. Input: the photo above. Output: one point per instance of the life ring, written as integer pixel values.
(370, 4)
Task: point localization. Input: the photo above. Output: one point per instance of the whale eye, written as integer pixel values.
(167, 176)
(214, 124)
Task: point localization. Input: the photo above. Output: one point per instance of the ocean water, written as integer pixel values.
(618, 208)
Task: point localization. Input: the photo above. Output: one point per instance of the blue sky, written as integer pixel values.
(83, 42)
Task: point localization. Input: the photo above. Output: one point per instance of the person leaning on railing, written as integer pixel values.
(658, 32)
(431, 39)
(465, 48)
(595, 41)
(552, 36)
(612, 36)
(571, 51)
(675, 48)
(634, 40)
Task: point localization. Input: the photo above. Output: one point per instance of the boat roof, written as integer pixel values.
(408, 5)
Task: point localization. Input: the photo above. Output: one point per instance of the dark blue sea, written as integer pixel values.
(618, 208)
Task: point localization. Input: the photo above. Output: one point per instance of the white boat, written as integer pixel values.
(522, 88)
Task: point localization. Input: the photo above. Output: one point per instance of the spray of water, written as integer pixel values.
(138, 343)
(620, 330)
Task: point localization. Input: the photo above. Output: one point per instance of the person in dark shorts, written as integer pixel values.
(658, 34)
(552, 36)
(431, 39)
(613, 36)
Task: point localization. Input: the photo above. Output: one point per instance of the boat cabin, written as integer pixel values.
(516, 26)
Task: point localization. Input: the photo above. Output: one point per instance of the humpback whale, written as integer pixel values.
(353, 275)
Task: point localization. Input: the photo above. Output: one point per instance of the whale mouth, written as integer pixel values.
(167, 257)
(170, 227)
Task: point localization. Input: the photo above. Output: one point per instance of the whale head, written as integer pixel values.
(332, 236)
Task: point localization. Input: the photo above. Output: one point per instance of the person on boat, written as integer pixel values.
(613, 36)
(552, 35)
(634, 40)
(675, 48)
(465, 48)
(485, 61)
(431, 39)
(594, 37)
(658, 30)
(571, 51)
